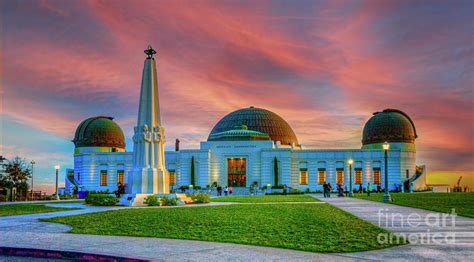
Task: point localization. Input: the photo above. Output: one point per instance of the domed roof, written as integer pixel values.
(255, 119)
(390, 125)
(99, 131)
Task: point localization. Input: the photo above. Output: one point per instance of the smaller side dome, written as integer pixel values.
(99, 131)
(390, 125)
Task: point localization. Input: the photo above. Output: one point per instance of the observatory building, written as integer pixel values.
(250, 145)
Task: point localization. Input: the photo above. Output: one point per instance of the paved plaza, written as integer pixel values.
(26, 231)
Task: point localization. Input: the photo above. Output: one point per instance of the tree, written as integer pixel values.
(192, 171)
(16, 173)
(275, 171)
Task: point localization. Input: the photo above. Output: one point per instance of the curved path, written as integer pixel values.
(433, 237)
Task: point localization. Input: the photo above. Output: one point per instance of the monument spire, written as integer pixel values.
(149, 175)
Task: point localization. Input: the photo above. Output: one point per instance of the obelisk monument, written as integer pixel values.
(149, 175)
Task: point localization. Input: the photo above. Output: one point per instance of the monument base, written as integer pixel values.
(137, 200)
(148, 181)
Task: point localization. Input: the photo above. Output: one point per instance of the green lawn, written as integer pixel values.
(23, 209)
(308, 227)
(265, 199)
(463, 203)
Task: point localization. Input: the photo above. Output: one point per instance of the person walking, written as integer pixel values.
(226, 191)
(230, 190)
(369, 188)
(325, 189)
(360, 188)
(379, 188)
(219, 190)
(329, 190)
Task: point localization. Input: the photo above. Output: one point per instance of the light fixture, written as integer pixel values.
(350, 161)
(386, 146)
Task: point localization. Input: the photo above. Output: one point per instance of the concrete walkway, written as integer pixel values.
(433, 236)
(27, 232)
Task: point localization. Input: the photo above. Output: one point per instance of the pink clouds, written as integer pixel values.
(324, 67)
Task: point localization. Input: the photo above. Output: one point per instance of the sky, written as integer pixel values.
(324, 66)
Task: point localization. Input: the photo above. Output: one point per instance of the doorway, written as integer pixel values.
(236, 172)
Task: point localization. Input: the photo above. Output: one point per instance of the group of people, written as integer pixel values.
(343, 191)
(227, 190)
(327, 189)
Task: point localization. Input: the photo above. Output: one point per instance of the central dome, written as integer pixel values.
(255, 119)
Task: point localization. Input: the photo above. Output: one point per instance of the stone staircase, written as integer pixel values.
(134, 200)
(184, 199)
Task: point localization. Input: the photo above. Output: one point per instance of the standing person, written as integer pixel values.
(325, 189)
(360, 188)
(219, 190)
(255, 188)
(369, 188)
(329, 190)
(226, 190)
(284, 189)
(379, 188)
(346, 192)
(117, 192)
(230, 190)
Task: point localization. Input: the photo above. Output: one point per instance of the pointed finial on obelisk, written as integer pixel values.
(149, 52)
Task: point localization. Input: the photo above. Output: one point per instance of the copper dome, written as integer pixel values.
(99, 131)
(390, 125)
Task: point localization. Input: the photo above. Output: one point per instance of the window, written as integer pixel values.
(103, 177)
(376, 176)
(172, 177)
(339, 175)
(120, 177)
(321, 176)
(303, 176)
(358, 175)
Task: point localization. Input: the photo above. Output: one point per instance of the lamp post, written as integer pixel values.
(57, 171)
(386, 195)
(350, 176)
(32, 166)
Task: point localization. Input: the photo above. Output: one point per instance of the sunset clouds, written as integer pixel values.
(324, 66)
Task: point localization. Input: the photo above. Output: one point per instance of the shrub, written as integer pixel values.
(101, 200)
(152, 200)
(168, 201)
(199, 198)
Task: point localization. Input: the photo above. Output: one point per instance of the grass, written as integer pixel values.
(307, 227)
(265, 199)
(440, 202)
(23, 209)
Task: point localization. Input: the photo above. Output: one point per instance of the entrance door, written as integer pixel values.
(236, 172)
